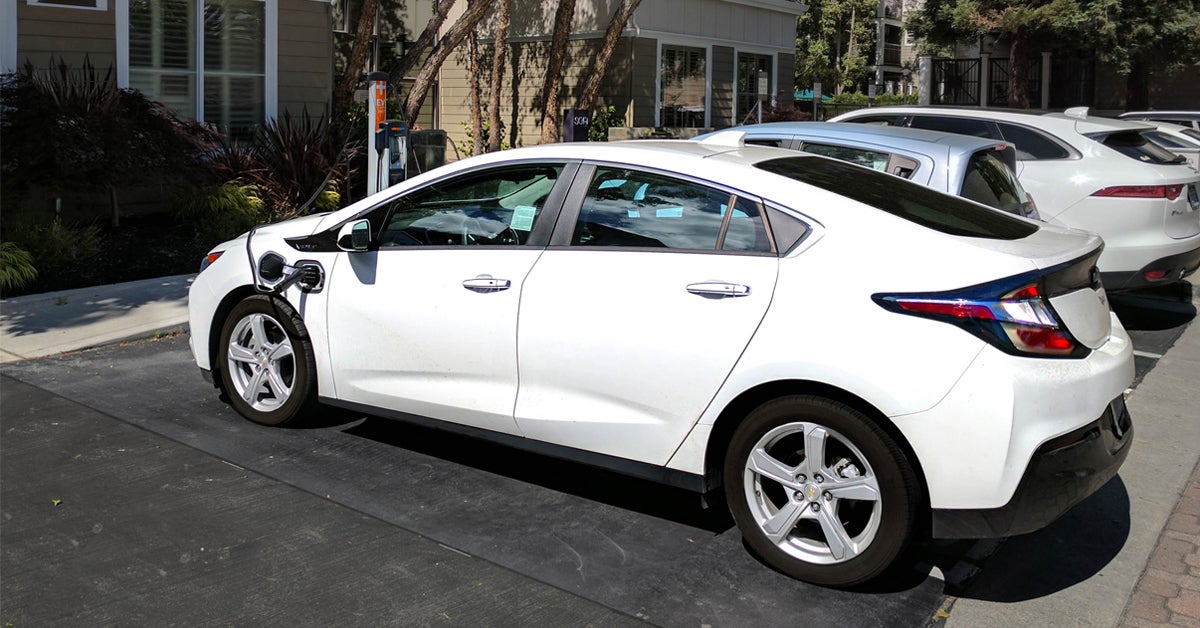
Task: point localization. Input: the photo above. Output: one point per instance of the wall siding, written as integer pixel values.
(305, 57)
(65, 34)
(785, 90)
(723, 76)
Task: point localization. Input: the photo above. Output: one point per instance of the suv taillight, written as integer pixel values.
(1017, 321)
(1169, 192)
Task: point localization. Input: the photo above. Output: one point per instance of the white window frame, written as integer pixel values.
(772, 90)
(101, 5)
(270, 49)
(687, 42)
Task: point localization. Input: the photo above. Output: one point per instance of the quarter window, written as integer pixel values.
(1030, 144)
(626, 208)
(497, 207)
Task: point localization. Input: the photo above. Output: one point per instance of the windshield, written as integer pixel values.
(1135, 145)
(904, 199)
(990, 181)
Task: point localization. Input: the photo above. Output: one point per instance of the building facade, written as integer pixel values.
(230, 63)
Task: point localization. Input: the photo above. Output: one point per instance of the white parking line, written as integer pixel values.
(1147, 354)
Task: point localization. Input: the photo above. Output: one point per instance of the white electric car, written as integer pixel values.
(856, 359)
(1098, 174)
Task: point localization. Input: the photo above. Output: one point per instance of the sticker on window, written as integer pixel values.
(669, 212)
(522, 219)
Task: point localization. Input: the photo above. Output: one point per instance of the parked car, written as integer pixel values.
(978, 169)
(1181, 140)
(1091, 173)
(1183, 118)
(848, 354)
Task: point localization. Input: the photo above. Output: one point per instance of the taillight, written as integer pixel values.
(1169, 192)
(209, 259)
(1019, 321)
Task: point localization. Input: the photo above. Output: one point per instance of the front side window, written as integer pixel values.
(859, 156)
(629, 208)
(496, 207)
(683, 87)
(962, 126)
(167, 39)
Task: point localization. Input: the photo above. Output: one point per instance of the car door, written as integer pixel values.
(639, 309)
(426, 323)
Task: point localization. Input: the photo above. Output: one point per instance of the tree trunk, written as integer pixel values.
(551, 131)
(1018, 73)
(343, 94)
(413, 54)
(476, 112)
(591, 89)
(1137, 87)
(499, 51)
(450, 41)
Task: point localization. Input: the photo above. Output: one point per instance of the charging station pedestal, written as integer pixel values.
(376, 116)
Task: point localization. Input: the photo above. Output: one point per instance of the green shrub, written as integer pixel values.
(56, 245)
(221, 212)
(16, 267)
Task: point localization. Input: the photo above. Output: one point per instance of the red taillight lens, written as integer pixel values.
(1020, 322)
(1169, 192)
(1155, 275)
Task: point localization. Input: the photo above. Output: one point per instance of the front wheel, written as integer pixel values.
(820, 492)
(266, 361)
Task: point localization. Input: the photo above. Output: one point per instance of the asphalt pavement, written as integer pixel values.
(131, 495)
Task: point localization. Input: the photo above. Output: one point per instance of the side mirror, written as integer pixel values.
(355, 236)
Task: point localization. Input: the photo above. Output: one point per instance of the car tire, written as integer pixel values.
(839, 518)
(266, 362)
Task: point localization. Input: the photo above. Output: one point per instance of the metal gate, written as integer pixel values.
(955, 82)
(999, 74)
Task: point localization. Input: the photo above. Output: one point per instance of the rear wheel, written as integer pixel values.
(267, 366)
(819, 491)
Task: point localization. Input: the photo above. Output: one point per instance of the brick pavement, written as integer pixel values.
(1168, 593)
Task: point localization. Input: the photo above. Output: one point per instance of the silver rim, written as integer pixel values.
(812, 493)
(261, 363)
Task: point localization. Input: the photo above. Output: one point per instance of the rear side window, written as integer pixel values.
(962, 126)
(1134, 145)
(1031, 144)
(912, 202)
(989, 181)
(765, 141)
(859, 156)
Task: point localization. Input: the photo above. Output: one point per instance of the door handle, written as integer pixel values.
(486, 283)
(718, 289)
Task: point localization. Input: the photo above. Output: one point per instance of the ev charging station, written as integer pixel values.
(387, 140)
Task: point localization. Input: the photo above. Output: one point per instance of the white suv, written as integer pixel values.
(1091, 173)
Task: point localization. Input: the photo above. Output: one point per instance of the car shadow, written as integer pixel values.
(1067, 552)
(1160, 308)
(565, 476)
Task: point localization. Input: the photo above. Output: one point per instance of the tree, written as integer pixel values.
(474, 105)
(343, 93)
(1021, 22)
(554, 65)
(834, 41)
(1145, 38)
(591, 88)
(413, 54)
(499, 50)
(451, 40)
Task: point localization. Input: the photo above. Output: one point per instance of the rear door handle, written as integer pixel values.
(718, 289)
(486, 283)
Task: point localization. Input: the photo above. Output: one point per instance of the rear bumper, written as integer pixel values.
(1062, 472)
(1172, 267)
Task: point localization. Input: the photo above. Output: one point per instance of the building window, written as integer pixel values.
(683, 87)
(97, 5)
(205, 59)
(748, 67)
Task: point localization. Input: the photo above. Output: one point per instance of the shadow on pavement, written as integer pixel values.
(1068, 552)
(1155, 309)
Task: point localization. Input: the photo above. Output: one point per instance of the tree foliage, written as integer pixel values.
(1144, 38)
(835, 41)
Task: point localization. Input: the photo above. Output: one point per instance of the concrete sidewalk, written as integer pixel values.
(39, 325)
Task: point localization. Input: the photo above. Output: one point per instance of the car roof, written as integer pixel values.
(1182, 115)
(1058, 122)
(897, 137)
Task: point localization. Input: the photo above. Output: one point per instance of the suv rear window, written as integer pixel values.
(989, 181)
(912, 202)
(1134, 145)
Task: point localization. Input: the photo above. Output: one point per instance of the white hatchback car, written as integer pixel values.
(850, 355)
(1098, 174)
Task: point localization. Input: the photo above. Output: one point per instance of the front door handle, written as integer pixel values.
(718, 289)
(486, 283)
